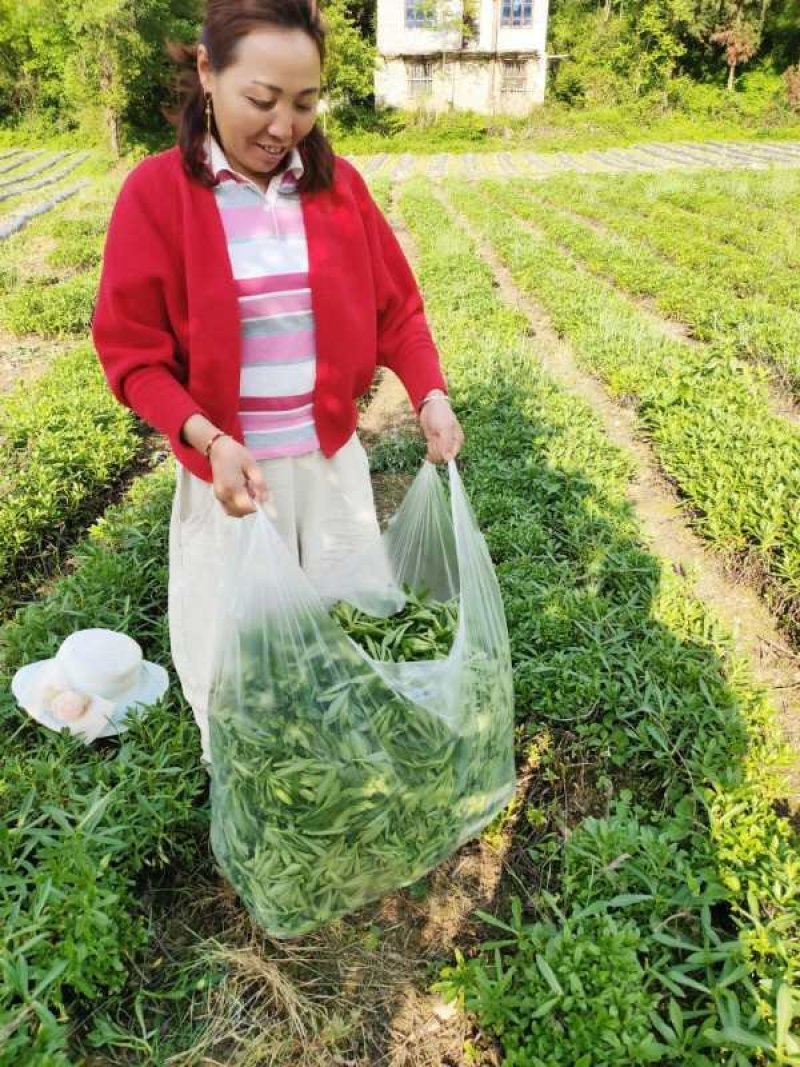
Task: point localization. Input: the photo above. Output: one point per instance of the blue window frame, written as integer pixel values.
(417, 17)
(516, 13)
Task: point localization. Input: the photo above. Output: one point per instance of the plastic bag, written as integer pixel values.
(339, 778)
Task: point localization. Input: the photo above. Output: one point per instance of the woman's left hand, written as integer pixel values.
(442, 431)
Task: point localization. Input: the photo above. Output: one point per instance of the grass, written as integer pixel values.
(556, 127)
(551, 127)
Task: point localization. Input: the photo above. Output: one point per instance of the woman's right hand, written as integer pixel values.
(239, 485)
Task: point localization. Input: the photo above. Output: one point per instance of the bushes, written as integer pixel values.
(65, 440)
(52, 310)
(759, 98)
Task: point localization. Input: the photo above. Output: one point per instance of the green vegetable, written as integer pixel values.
(331, 789)
(423, 630)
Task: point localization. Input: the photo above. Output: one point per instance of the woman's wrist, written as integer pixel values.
(434, 394)
(199, 432)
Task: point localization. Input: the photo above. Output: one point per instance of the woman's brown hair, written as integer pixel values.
(226, 23)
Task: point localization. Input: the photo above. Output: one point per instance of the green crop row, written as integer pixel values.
(59, 309)
(750, 327)
(717, 210)
(49, 271)
(707, 412)
(760, 271)
(79, 825)
(79, 242)
(684, 869)
(663, 927)
(65, 440)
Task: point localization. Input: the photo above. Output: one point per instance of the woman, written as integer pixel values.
(250, 286)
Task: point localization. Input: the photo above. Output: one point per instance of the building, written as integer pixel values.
(435, 55)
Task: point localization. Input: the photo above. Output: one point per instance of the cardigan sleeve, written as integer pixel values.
(405, 344)
(131, 330)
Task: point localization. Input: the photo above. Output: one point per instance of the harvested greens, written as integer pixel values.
(340, 772)
(423, 630)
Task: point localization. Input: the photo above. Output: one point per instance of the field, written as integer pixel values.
(622, 351)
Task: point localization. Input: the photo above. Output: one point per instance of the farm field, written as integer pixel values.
(639, 900)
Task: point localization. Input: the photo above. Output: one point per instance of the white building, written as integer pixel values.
(427, 61)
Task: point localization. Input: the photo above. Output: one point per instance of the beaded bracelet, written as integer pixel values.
(220, 433)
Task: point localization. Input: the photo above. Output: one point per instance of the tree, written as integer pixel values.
(350, 60)
(118, 55)
(740, 39)
(791, 79)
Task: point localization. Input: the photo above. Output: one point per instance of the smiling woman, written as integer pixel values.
(250, 287)
(257, 121)
(254, 82)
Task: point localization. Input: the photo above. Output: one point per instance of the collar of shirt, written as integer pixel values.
(222, 170)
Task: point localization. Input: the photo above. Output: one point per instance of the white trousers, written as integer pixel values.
(322, 508)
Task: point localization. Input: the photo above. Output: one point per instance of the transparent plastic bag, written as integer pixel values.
(336, 777)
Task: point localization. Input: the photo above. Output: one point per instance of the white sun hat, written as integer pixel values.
(91, 683)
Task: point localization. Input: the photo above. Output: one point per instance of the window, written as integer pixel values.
(419, 14)
(420, 78)
(517, 13)
(515, 76)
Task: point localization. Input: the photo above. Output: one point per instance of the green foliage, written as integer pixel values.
(96, 62)
(423, 630)
(65, 439)
(574, 993)
(52, 310)
(81, 823)
(683, 111)
(685, 875)
(658, 247)
(625, 49)
(670, 925)
(614, 58)
(707, 411)
(396, 452)
(331, 787)
(350, 62)
(79, 241)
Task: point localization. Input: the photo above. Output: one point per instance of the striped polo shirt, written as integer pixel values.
(266, 241)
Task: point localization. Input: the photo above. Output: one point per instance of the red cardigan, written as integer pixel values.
(166, 322)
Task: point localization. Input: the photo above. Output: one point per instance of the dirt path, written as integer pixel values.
(738, 606)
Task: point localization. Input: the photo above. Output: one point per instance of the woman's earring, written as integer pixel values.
(208, 114)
